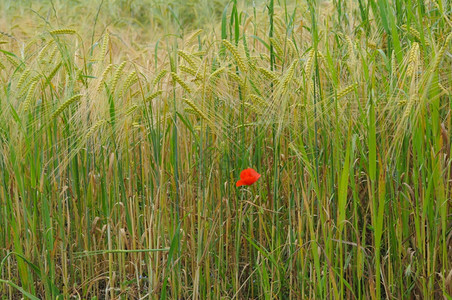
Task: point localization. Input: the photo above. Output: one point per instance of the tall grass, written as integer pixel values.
(121, 141)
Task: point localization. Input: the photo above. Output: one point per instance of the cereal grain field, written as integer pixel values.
(215, 149)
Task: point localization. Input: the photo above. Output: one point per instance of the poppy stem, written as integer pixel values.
(238, 238)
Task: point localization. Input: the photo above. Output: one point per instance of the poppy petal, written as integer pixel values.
(248, 177)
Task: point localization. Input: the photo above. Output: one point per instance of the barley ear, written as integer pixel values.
(65, 105)
(116, 77)
(62, 31)
(237, 57)
(183, 84)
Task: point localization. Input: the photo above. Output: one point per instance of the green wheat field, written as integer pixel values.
(125, 125)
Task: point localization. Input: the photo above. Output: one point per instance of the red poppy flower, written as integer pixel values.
(248, 177)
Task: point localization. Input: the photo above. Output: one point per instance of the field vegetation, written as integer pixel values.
(124, 126)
